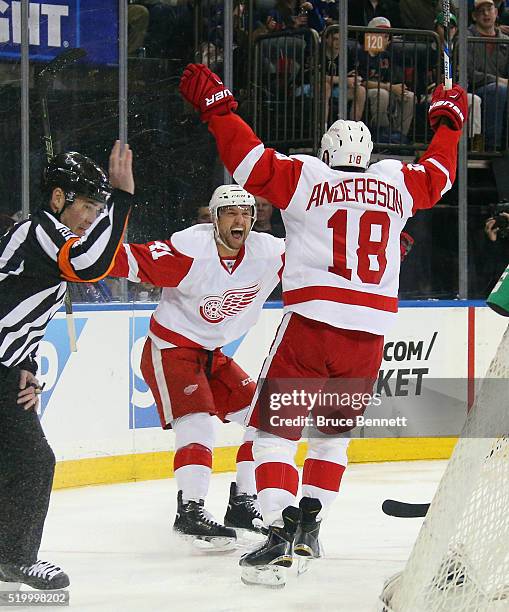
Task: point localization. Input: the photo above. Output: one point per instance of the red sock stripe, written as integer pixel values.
(245, 452)
(277, 476)
(323, 474)
(192, 454)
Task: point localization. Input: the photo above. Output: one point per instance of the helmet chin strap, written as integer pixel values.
(220, 241)
(69, 198)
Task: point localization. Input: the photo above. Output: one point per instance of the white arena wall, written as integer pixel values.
(100, 418)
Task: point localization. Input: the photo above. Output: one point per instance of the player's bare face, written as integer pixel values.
(80, 215)
(233, 225)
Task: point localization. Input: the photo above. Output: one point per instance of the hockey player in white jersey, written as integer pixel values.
(215, 279)
(343, 222)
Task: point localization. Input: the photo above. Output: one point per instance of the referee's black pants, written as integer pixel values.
(27, 465)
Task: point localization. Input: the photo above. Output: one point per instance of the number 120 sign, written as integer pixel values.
(375, 43)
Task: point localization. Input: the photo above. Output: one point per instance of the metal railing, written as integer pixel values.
(488, 71)
(395, 82)
(286, 89)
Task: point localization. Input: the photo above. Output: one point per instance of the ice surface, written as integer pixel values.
(116, 544)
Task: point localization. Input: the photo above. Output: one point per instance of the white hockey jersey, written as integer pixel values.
(203, 304)
(343, 228)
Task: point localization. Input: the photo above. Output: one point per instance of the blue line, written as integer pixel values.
(273, 304)
(441, 303)
(150, 306)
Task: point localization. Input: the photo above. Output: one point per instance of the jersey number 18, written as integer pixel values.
(367, 246)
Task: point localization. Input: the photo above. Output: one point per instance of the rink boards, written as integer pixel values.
(100, 418)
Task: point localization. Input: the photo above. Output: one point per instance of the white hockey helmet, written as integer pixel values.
(346, 143)
(230, 195)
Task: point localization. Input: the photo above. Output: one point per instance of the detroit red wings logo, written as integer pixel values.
(216, 308)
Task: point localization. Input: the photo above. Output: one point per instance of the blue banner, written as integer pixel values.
(59, 25)
(54, 353)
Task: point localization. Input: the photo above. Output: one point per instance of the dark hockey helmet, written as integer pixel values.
(76, 175)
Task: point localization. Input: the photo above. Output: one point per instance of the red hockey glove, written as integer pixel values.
(450, 103)
(406, 242)
(206, 92)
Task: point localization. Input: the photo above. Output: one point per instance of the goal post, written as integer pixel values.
(460, 560)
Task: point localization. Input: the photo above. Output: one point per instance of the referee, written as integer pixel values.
(73, 237)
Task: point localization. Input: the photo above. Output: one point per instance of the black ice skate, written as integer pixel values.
(243, 513)
(194, 523)
(306, 544)
(41, 575)
(266, 565)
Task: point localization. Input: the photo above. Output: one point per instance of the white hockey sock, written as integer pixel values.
(277, 479)
(245, 465)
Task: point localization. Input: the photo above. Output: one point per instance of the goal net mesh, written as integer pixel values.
(460, 560)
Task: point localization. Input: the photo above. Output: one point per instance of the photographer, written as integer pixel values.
(493, 253)
(497, 226)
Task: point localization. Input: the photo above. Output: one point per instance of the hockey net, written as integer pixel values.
(460, 560)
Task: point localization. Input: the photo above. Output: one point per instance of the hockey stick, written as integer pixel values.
(446, 11)
(400, 509)
(43, 80)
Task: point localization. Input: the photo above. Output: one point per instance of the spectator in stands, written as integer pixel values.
(492, 227)
(330, 11)
(284, 56)
(493, 252)
(390, 102)
(170, 28)
(356, 91)
(6, 223)
(291, 14)
(265, 221)
(138, 19)
(212, 51)
(361, 12)
(503, 15)
(203, 215)
(420, 14)
(502, 7)
(488, 71)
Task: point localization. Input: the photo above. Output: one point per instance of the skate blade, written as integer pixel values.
(213, 544)
(246, 538)
(304, 564)
(305, 557)
(268, 576)
(10, 586)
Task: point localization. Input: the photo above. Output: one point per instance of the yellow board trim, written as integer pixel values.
(153, 466)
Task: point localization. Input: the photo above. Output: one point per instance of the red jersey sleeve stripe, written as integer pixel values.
(132, 265)
(245, 167)
(448, 183)
(262, 172)
(235, 139)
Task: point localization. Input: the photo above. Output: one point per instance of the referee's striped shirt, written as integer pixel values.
(37, 257)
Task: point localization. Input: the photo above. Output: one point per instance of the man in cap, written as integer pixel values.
(488, 70)
(390, 102)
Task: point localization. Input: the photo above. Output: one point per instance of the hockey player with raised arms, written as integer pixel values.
(215, 279)
(343, 222)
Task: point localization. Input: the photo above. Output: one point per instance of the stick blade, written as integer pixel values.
(399, 509)
(67, 57)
